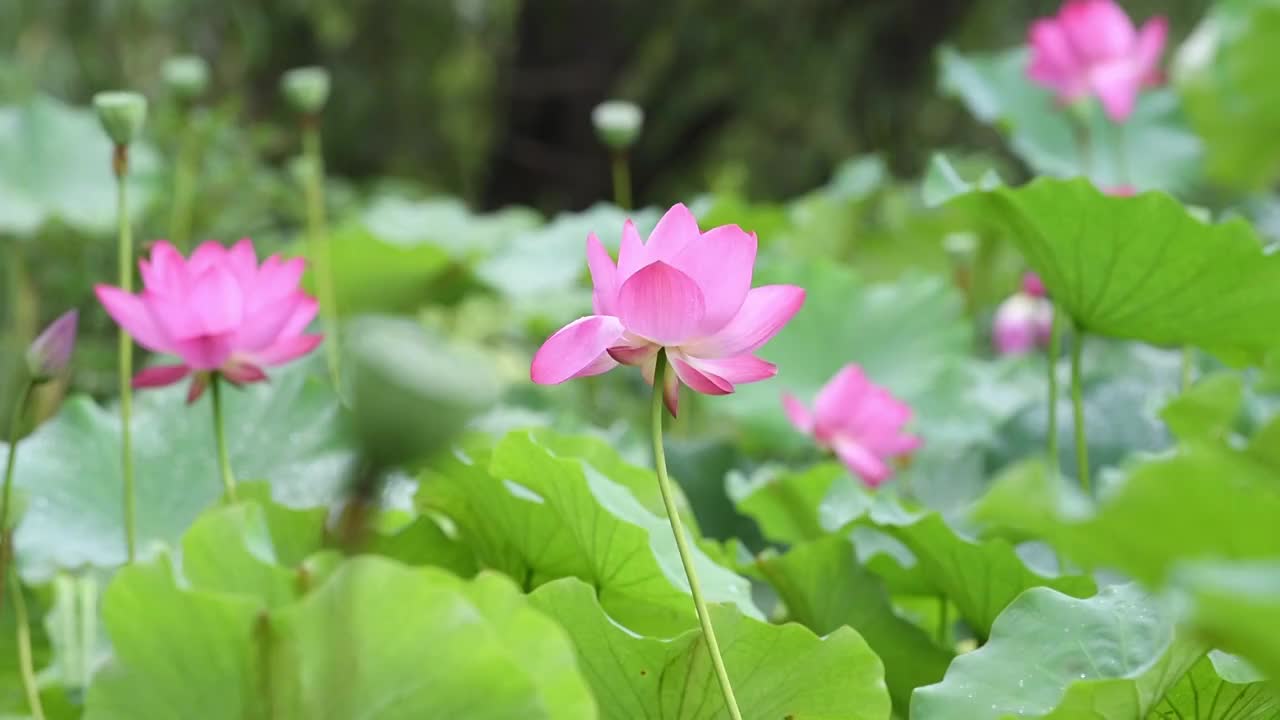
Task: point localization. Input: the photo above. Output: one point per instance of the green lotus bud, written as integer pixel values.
(618, 123)
(49, 354)
(411, 393)
(306, 88)
(121, 113)
(186, 75)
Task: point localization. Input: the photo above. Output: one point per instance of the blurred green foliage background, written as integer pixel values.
(489, 99)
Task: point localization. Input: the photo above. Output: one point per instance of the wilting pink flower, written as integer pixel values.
(684, 291)
(1092, 49)
(861, 422)
(219, 312)
(1121, 191)
(49, 354)
(1024, 321)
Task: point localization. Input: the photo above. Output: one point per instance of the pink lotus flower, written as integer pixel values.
(684, 291)
(219, 312)
(1024, 321)
(1092, 48)
(858, 420)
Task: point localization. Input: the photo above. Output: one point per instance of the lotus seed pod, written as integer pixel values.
(306, 88)
(121, 113)
(186, 75)
(618, 123)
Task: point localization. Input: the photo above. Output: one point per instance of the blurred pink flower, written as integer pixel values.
(861, 422)
(684, 290)
(219, 312)
(1121, 191)
(1092, 49)
(1024, 321)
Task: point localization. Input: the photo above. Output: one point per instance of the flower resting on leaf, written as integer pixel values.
(1024, 321)
(861, 422)
(1092, 49)
(220, 311)
(685, 291)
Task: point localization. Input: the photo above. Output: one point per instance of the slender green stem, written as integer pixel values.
(1077, 407)
(1084, 144)
(26, 666)
(621, 180)
(1122, 157)
(1055, 351)
(220, 436)
(1188, 366)
(317, 230)
(183, 185)
(125, 359)
(6, 500)
(677, 527)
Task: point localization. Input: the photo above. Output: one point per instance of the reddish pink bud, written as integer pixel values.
(49, 355)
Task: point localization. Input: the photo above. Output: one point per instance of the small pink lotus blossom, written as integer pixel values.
(1121, 191)
(686, 291)
(1092, 49)
(858, 420)
(219, 312)
(1024, 321)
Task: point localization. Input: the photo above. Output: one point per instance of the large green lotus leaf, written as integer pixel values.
(1223, 502)
(1141, 268)
(905, 335)
(916, 551)
(539, 516)
(402, 252)
(1110, 657)
(55, 162)
(344, 650)
(422, 541)
(553, 258)
(1219, 687)
(777, 671)
(823, 586)
(1226, 74)
(373, 275)
(234, 550)
(1208, 410)
(1236, 606)
(1153, 149)
(467, 650)
(176, 650)
(287, 431)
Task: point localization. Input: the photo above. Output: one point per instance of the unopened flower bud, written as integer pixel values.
(306, 89)
(50, 353)
(1032, 285)
(186, 75)
(121, 113)
(618, 123)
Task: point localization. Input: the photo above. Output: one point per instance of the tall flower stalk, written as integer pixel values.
(187, 77)
(618, 124)
(307, 90)
(122, 115)
(682, 544)
(220, 439)
(1077, 411)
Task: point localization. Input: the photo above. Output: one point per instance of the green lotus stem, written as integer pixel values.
(317, 231)
(1055, 351)
(1122, 157)
(125, 360)
(621, 180)
(220, 437)
(6, 499)
(183, 186)
(1084, 144)
(1188, 366)
(1077, 407)
(677, 527)
(26, 665)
